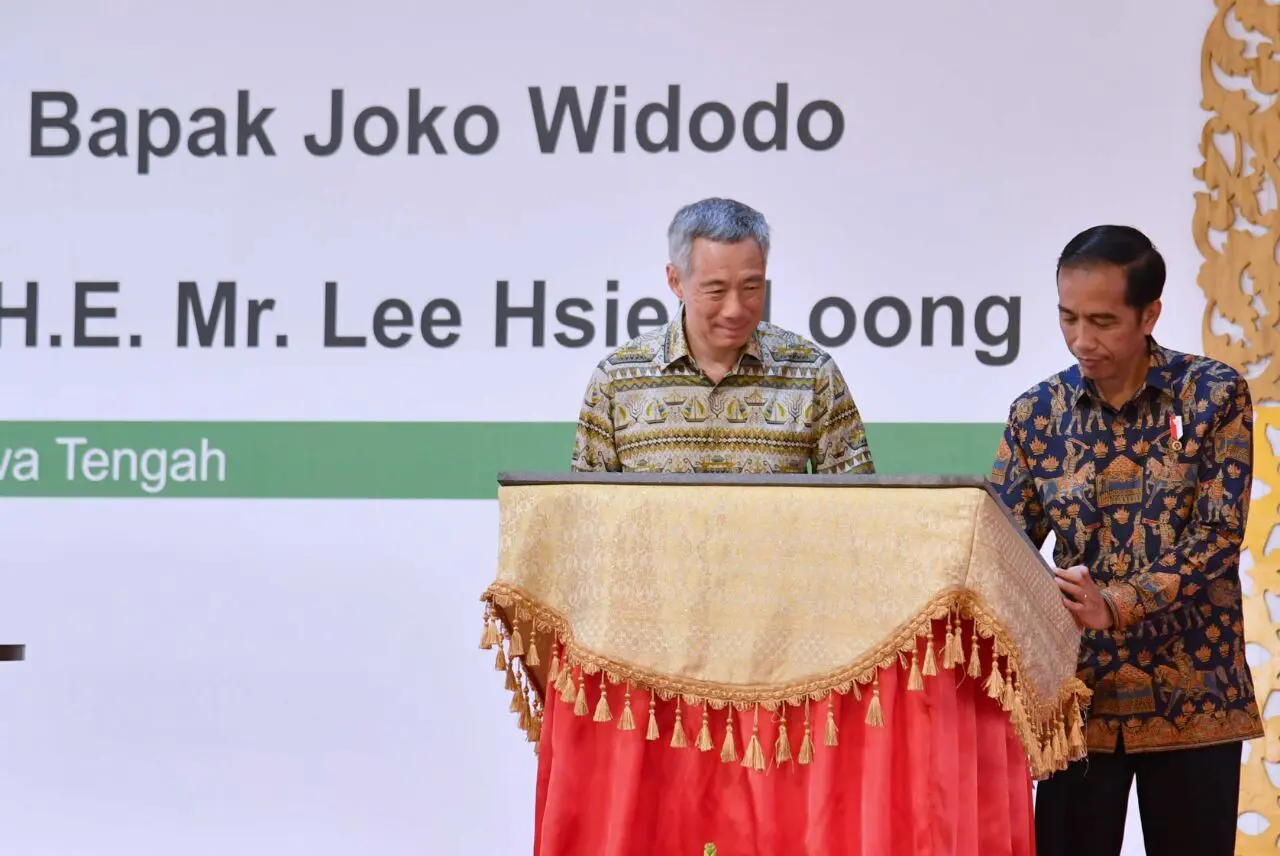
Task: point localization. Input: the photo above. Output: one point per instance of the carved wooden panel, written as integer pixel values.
(1236, 230)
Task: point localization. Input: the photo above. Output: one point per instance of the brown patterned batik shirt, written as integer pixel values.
(1153, 498)
(783, 409)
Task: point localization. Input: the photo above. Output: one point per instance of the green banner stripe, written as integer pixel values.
(360, 460)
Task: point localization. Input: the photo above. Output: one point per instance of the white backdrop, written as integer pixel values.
(276, 675)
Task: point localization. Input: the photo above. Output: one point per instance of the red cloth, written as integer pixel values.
(945, 776)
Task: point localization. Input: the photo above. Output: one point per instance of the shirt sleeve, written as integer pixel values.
(1210, 544)
(593, 443)
(1013, 483)
(842, 438)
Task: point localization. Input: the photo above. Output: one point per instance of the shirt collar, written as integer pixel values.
(677, 344)
(1159, 375)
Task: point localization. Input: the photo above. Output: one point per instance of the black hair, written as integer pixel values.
(1123, 247)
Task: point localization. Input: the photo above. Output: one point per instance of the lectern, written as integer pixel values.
(781, 664)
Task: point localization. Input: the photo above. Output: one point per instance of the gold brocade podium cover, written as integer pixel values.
(761, 591)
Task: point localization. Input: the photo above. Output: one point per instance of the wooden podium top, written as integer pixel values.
(533, 479)
(13, 652)
(512, 479)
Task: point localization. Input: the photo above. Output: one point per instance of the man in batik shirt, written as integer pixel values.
(717, 390)
(1139, 460)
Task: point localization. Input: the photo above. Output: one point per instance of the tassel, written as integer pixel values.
(806, 745)
(930, 657)
(510, 685)
(975, 666)
(490, 636)
(553, 671)
(499, 662)
(1007, 695)
(517, 646)
(603, 713)
(652, 733)
(1036, 756)
(525, 722)
(728, 750)
(1075, 735)
(915, 683)
(1019, 716)
(580, 704)
(782, 746)
(753, 757)
(519, 704)
(875, 714)
(626, 722)
(531, 656)
(832, 736)
(957, 644)
(535, 730)
(704, 741)
(995, 681)
(948, 646)
(679, 739)
(566, 683)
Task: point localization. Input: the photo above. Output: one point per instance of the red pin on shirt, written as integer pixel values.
(1175, 433)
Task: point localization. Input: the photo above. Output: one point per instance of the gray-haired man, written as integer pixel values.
(717, 389)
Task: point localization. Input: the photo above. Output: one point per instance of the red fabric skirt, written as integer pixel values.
(944, 776)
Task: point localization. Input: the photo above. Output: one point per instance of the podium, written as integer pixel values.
(780, 664)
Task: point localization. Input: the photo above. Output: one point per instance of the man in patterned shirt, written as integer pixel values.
(1139, 460)
(717, 390)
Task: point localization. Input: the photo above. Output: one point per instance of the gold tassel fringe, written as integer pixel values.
(1052, 733)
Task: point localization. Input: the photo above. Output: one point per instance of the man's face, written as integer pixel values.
(724, 293)
(1106, 335)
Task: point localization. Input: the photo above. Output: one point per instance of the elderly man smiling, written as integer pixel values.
(718, 390)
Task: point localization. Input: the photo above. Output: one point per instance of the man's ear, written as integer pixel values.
(1150, 316)
(674, 283)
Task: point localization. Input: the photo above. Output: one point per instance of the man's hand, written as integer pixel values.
(1083, 597)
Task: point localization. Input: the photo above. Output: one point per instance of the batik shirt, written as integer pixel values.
(1156, 509)
(784, 408)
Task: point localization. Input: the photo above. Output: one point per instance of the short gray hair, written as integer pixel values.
(724, 221)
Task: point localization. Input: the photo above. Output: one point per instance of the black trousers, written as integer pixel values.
(1187, 799)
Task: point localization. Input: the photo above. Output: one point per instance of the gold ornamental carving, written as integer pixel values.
(1237, 229)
